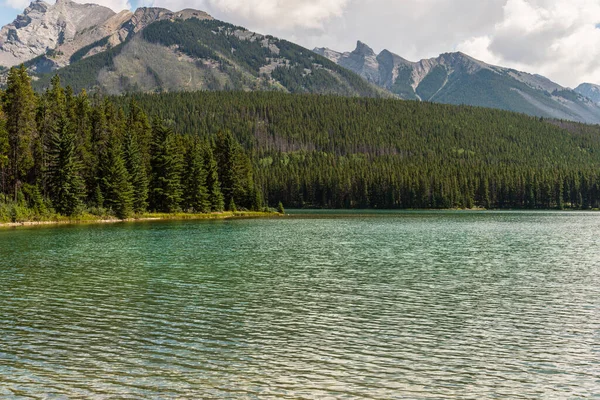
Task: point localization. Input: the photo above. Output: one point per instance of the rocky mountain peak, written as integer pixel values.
(590, 91)
(363, 50)
(42, 27)
(66, 27)
(392, 59)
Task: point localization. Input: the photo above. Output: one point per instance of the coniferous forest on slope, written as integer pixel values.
(340, 152)
(208, 151)
(67, 154)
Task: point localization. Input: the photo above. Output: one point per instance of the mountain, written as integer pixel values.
(44, 27)
(154, 49)
(90, 29)
(456, 78)
(157, 50)
(590, 91)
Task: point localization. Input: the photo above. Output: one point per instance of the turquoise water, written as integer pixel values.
(421, 305)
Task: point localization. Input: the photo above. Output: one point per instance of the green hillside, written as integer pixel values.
(456, 78)
(198, 54)
(491, 89)
(328, 151)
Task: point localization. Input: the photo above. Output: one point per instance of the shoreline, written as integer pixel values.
(144, 218)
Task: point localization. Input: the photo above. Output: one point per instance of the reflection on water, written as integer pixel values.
(397, 305)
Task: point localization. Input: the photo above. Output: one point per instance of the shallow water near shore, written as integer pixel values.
(319, 305)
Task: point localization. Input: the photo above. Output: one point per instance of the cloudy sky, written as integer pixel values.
(556, 38)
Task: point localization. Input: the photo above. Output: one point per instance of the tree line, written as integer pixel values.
(347, 152)
(67, 154)
(208, 151)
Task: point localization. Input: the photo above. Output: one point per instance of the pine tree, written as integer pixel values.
(215, 196)
(20, 106)
(195, 193)
(51, 112)
(140, 128)
(64, 183)
(137, 173)
(235, 171)
(231, 206)
(225, 153)
(98, 197)
(116, 186)
(165, 187)
(245, 191)
(256, 199)
(80, 110)
(559, 195)
(99, 134)
(4, 153)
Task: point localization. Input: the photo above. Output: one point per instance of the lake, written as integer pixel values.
(416, 305)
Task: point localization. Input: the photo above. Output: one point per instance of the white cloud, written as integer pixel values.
(269, 14)
(16, 4)
(558, 39)
(479, 47)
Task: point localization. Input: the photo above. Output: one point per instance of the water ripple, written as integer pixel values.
(395, 306)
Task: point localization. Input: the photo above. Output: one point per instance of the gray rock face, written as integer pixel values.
(590, 91)
(385, 68)
(44, 27)
(363, 61)
(68, 27)
(457, 78)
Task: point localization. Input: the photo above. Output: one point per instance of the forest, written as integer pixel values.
(68, 154)
(202, 152)
(320, 151)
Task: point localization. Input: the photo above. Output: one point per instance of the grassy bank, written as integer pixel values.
(87, 218)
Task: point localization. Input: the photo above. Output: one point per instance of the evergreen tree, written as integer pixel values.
(256, 199)
(36, 200)
(226, 153)
(51, 112)
(99, 134)
(19, 104)
(213, 186)
(231, 206)
(305, 151)
(245, 191)
(195, 193)
(98, 197)
(4, 154)
(137, 173)
(165, 187)
(235, 171)
(140, 128)
(80, 111)
(116, 187)
(65, 184)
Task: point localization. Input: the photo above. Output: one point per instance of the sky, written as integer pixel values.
(559, 39)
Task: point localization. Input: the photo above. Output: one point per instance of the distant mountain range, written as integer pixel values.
(155, 50)
(456, 78)
(590, 91)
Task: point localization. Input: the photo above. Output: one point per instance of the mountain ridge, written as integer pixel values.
(43, 27)
(589, 90)
(156, 50)
(150, 50)
(457, 78)
(104, 31)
